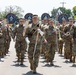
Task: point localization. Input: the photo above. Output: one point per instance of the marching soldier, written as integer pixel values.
(68, 41)
(51, 42)
(34, 45)
(44, 24)
(61, 33)
(20, 41)
(8, 39)
(2, 40)
(74, 43)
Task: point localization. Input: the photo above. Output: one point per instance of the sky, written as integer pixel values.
(37, 6)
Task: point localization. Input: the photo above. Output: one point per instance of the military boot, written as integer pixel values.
(34, 70)
(51, 63)
(21, 61)
(2, 55)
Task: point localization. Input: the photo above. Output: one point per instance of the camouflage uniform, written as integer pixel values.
(74, 44)
(20, 42)
(31, 33)
(8, 40)
(43, 45)
(51, 44)
(61, 41)
(68, 42)
(2, 42)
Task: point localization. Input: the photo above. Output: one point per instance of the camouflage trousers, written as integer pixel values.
(7, 45)
(33, 59)
(74, 49)
(68, 51)
(60, 45)
(50, 53)
(20, 49)
(2, 50)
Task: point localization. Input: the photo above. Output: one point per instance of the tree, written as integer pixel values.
(12, 9)
(68, 12)
(74, 10)
(63, 10)
(54, 13)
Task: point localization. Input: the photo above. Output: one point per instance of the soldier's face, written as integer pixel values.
(21, 22)
(64, 23)
(35, 20)
(71, 22)
(50, 22)
(45, 21)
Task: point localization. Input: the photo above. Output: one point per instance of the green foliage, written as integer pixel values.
(63, 10)
(74, 10)
(54, 13)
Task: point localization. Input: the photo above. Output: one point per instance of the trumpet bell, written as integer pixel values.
(60, 39)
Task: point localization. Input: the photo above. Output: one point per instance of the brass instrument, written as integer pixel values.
(60, 39)
(67, 34)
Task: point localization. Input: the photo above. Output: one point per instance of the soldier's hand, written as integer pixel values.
(45, 41)
(72, 41)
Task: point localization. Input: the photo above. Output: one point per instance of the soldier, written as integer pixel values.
(43, 28)
(2, 40)
(68, 45)
(61, 33)
(20, 41)
(34, 46)
(8, 39)
(51, 42)
(74, 43)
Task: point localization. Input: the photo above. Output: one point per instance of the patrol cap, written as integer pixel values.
(71, 18)
(50, 19)
(35, 16)
(45, 16)
(21, 19)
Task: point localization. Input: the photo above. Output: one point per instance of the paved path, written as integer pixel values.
(8, 66)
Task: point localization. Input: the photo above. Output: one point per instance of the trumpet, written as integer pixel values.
(67, 34)
(60, 39)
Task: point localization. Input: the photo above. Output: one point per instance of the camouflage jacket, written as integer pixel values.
(31, 33)
(2, 36)
(51, 35)
(18, 33)
(61, 29)
(68, 28)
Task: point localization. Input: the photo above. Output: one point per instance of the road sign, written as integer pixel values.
(11, 18)
(61, 17)
(45, 16)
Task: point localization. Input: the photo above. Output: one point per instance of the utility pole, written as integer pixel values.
(63, 3)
